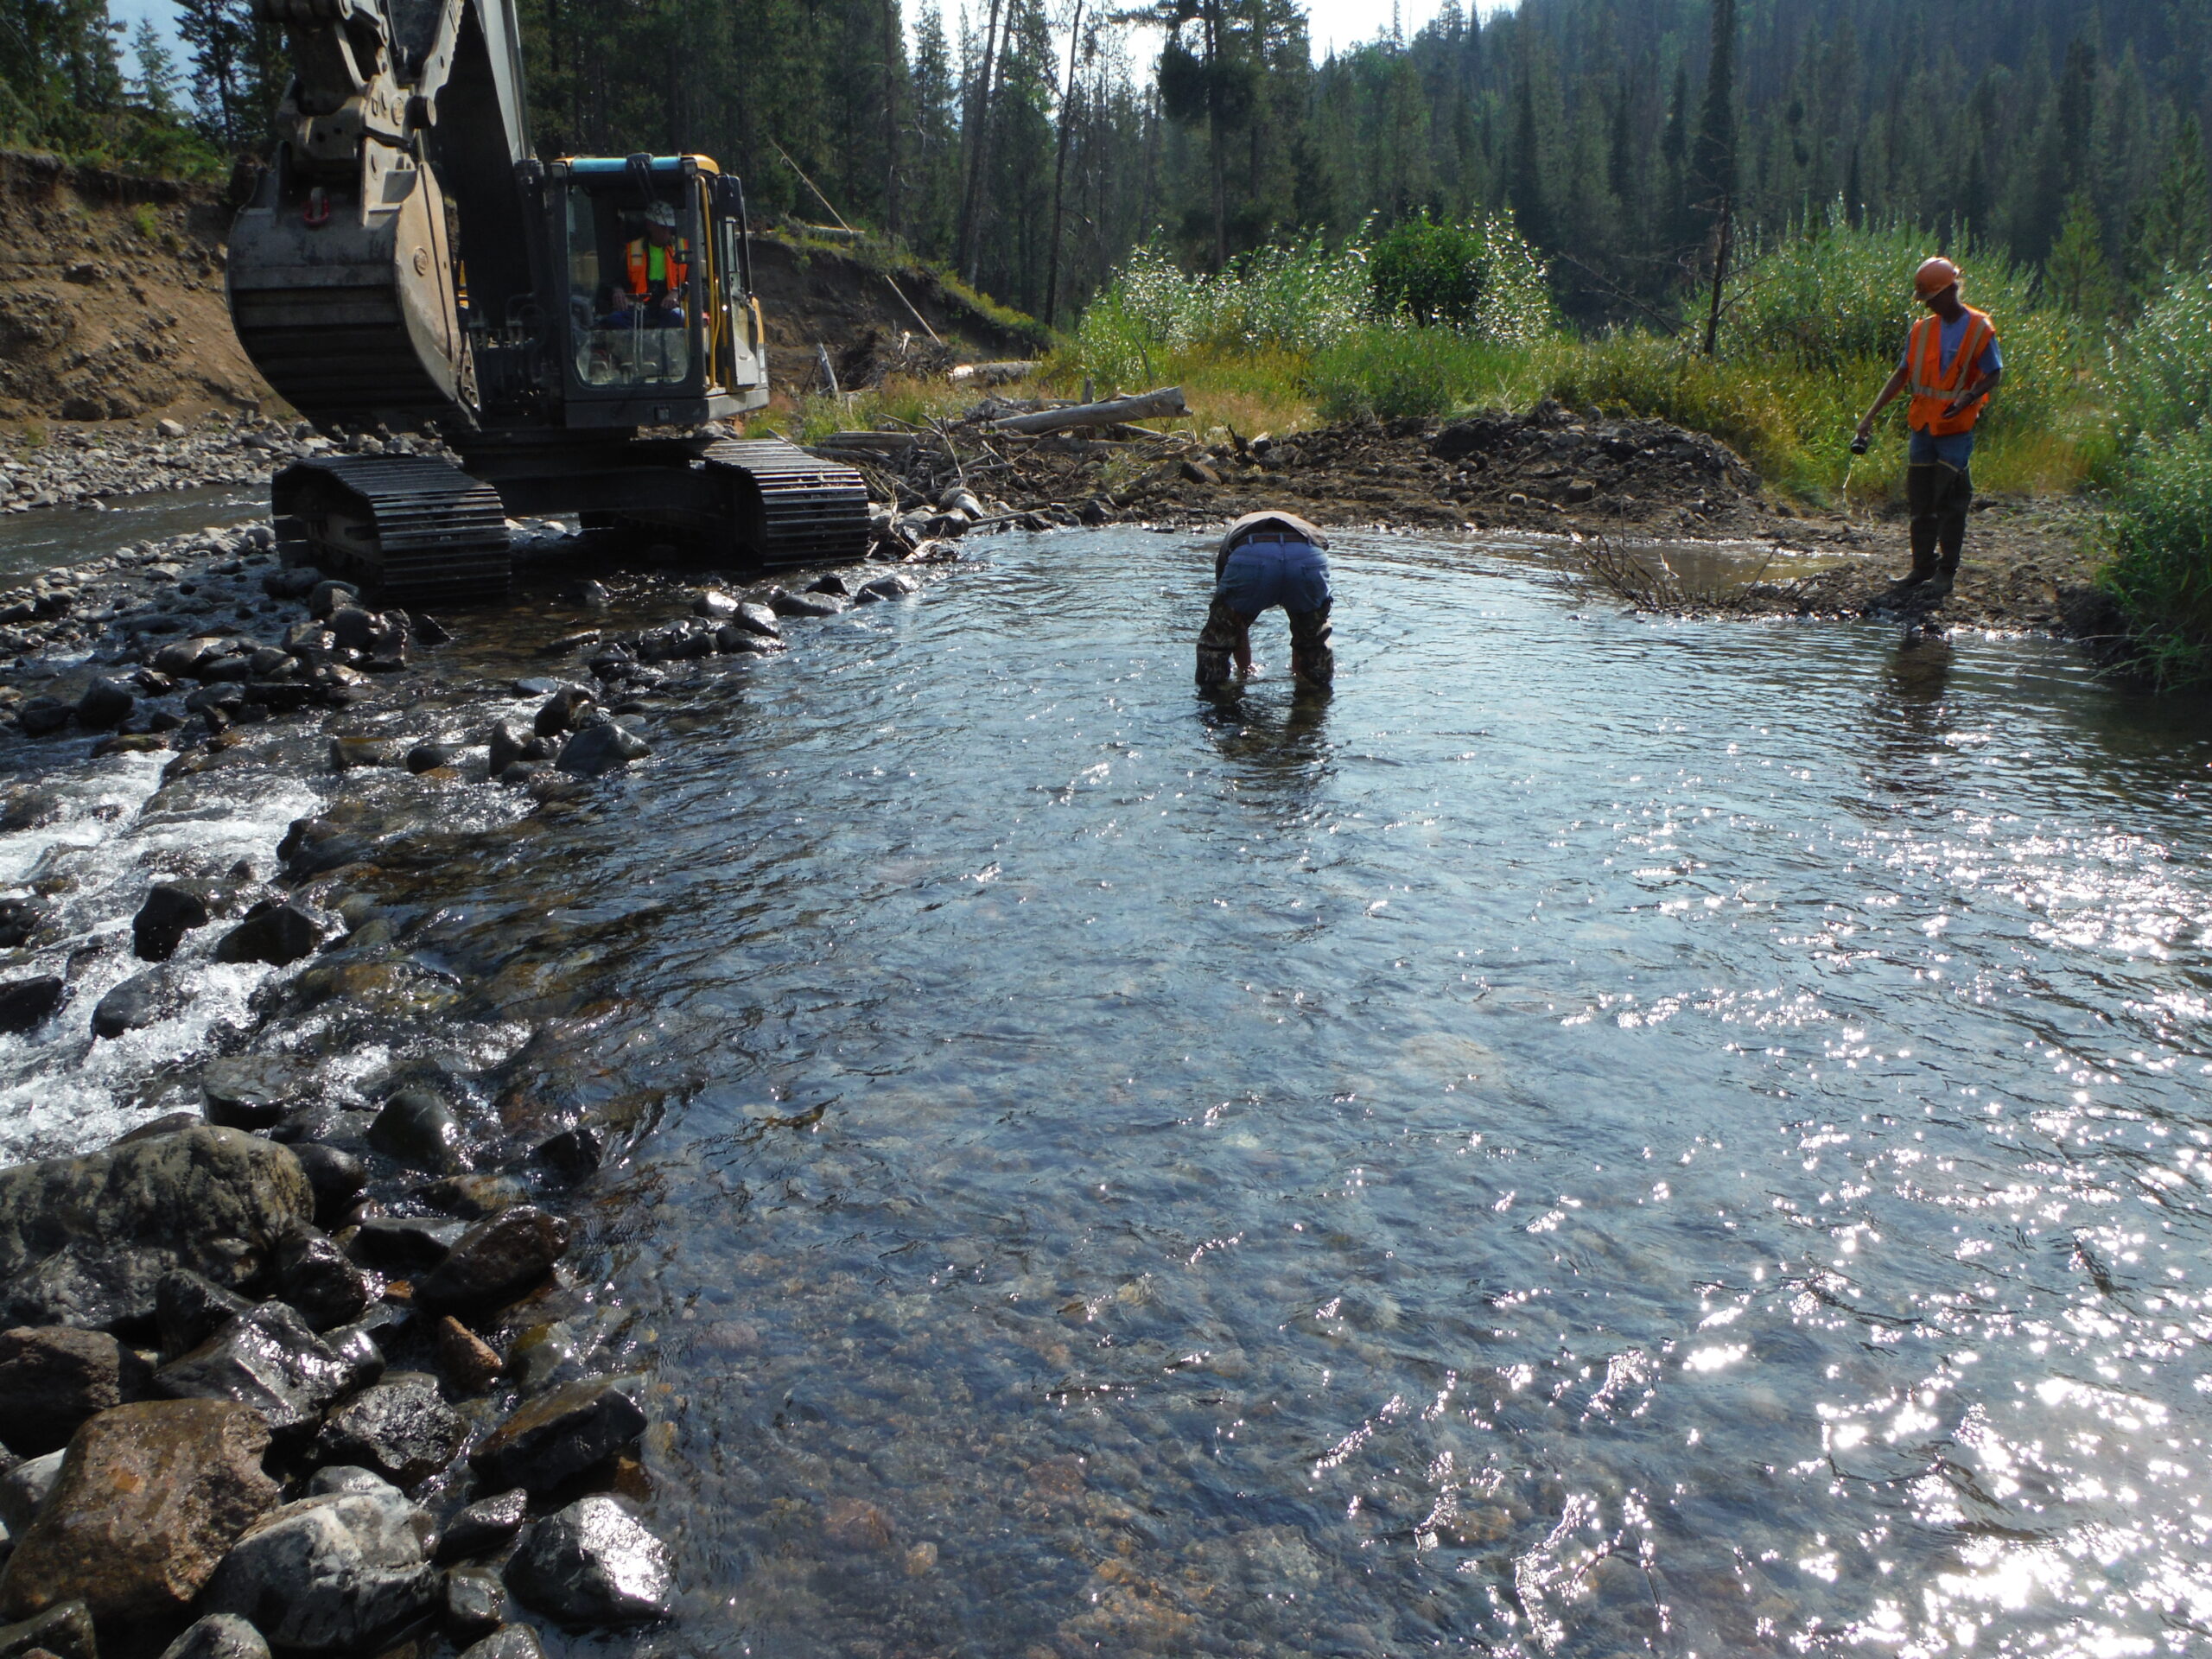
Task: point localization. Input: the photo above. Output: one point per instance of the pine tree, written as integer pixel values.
(157, 83)
(2078, 274)
(2173, 229)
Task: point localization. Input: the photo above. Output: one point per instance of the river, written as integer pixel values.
(1606, 1135)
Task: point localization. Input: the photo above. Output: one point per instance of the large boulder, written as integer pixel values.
(252, 1091)
(561, 1434)
(64, 1632)
(329, 1575)
(496, 1261)
(25, 1003)
(593, 1563)
(150, 1496)
(597, 750)
(172, 909)
(53, 1378)
(84, 1241)
(400, 1428)
(266, 1359)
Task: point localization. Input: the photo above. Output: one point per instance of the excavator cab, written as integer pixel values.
(656, 325)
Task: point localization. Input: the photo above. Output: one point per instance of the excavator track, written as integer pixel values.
(792, 507)
(418, 530)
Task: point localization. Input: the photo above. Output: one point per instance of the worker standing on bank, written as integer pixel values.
(1951, 364)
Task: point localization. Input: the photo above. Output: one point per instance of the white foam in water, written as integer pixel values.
(62, 1089)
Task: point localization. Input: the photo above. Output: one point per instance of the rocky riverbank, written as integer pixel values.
(89, 465)
(312, 1357)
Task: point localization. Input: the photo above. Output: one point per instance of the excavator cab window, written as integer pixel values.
(631, 300)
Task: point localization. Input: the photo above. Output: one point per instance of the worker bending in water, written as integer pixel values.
(1269, 559)
(1951, 364)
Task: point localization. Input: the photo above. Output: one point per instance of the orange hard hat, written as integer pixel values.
(1933, 276)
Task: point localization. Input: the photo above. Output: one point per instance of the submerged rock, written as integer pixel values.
(593, 1563)
(417, 1127)
(399, 1428)
(251, 1091)
(63, 1632)
(85, 1240)
(140, 1000)
(562, 1433)
(266, 1359)
(25, 1004)
(219, 1636)
(52, 1379)
(329, 1575)
(496, 1261)
(151, 1495)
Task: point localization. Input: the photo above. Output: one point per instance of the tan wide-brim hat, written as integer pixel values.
(1289, 522)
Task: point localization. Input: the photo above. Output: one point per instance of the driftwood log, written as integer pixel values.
(1145, 406)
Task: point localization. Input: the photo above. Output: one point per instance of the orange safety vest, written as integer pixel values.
(670, 266)
(1933, 386)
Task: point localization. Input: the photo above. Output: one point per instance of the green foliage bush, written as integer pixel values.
(1386, 373)
(1476, 274)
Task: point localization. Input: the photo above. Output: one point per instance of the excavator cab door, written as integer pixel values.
(743, 360)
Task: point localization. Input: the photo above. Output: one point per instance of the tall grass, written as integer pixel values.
(2160, 530)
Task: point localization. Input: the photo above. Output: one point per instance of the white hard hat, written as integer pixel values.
(661, 213)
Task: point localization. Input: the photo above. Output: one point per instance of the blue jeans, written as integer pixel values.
(1953, 448)
(1258, 575)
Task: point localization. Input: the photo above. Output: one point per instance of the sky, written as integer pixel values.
(1333, 25)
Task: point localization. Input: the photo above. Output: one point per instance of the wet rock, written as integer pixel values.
(329, 1575)
(187, 1310)
(417, 1127)
(786, 603)
(472, 1363)
(855, 1524)
(598, 750)
(352, 627)
(428, 756)
(510, 745)
(573, 1154)
(476, 1602)
(312, 846)
(266, 1359)
(758, 619)
(19, 919)
(327, 596)
(405, 1243)
(106, 704)
(140, 1000)
(562, 711)
(474, 1198)
(63, 1632)
(219, 1636)
(541, 1353)
(429, 632)
(25, 1488)
(732, 641)
(314, 1276)
(592, 1563)
(172, 909)
(562, 1433)
(25, 1004)
(85, 1240)
(832, 583)
(713, 604)
(279, 935)
(400, 1428)
(357, 1349)
(316, 1121)
(496, 1261)
(52, 1378)
(482, 1528)
(509, 1641)
(251, 1091)
(896, 585)
(338, 1178)
(337, 1480)
(42, 717)
(167, 1123)
(150, 1496)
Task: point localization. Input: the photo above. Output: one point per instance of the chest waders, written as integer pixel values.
(1311, 658)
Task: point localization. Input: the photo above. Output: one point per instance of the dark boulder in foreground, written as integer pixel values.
(140, 1000)
(279, 936)
(266, 1359)
(219, 1636)
(85, 1240)
(329, 1575)
(150, 1497)
(53, 1378)
(66, 1632)
(172, 909)
(562, 1433)
(251, 1091)
(399, 1428)
(482, 1528)
(593, 1563)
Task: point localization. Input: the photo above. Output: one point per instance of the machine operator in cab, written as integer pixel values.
(657, 267)
(1951, 364)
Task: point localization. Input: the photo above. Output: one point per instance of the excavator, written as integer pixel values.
(569, 327)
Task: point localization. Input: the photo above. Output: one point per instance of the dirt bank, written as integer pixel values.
(1548, 471)
(112, 298)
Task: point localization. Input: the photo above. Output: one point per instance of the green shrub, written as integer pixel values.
(2162, 369)
(1386, 373)
(2161, 566)
(1476, 274)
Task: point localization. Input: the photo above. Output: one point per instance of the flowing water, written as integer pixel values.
(1605, 1136)
(41, 537)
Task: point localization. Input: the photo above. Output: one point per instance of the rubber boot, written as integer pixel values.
(1218, 647)
(1951, 510)
(1312, 660)
(1923, 491)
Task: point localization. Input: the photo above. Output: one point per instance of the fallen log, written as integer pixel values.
(1145, 406)
(993, 374)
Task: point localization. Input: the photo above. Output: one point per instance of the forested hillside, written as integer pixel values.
(2070, 136)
